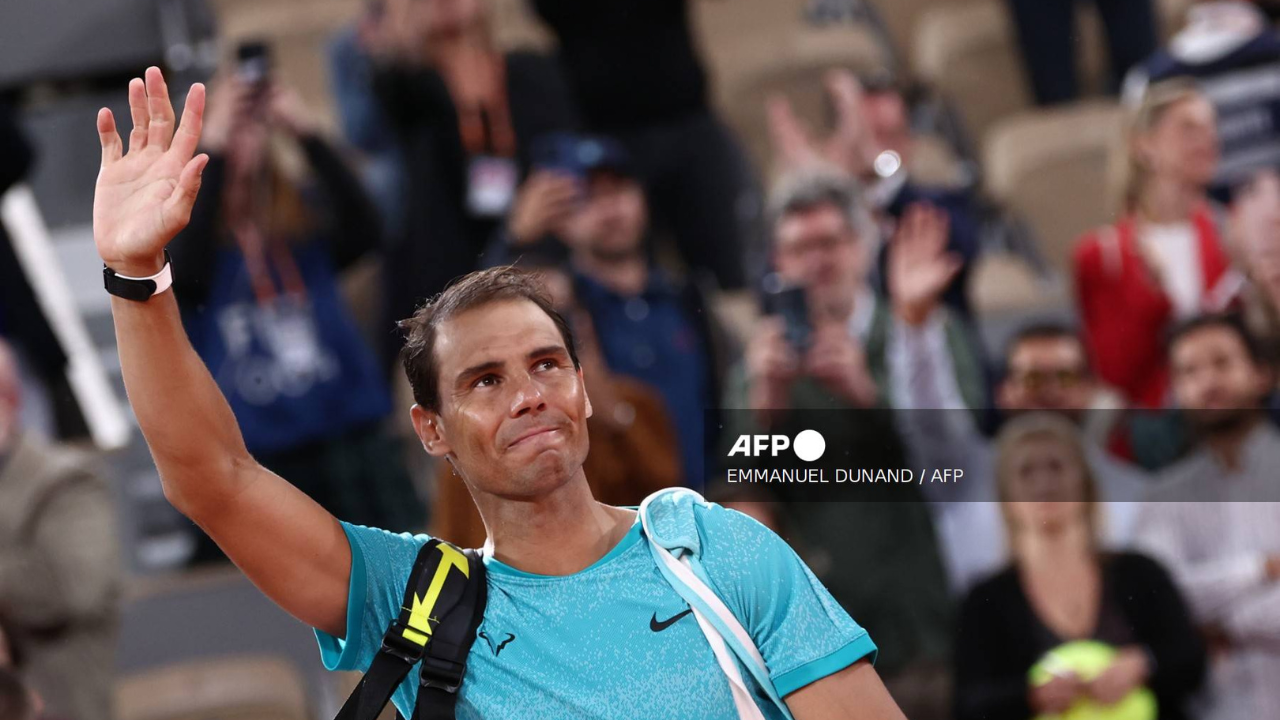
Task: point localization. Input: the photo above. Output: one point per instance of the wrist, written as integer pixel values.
(136, 267)
(914, 314)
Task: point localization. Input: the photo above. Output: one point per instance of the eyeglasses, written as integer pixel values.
(821, 243)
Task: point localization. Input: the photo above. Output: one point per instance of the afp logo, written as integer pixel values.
(808, 445)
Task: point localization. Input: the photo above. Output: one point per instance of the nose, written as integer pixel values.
(526, 396)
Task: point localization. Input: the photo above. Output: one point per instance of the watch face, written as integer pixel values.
(137, 290)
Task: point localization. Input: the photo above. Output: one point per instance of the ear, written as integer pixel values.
(1004, 393)
(583, 382)
(427, 425)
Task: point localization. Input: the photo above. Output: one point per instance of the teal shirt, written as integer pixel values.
(584, 645)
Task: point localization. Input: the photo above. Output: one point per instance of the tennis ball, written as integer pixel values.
(1087, 659)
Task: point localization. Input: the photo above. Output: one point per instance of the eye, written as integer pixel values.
(547, 364)
(485, 381)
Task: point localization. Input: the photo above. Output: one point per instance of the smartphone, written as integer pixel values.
(792, 305)
(253, 62)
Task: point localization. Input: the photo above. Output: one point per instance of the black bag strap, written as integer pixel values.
(443, 605)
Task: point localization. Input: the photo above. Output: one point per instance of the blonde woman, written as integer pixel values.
(1163, 259)
(1059, 587)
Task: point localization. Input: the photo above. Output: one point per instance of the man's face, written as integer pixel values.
(1049, 373)
(817, 249)
(612, 219)
(1214, 376)
(514, 410)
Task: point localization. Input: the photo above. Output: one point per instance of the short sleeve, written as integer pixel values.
(380, 565)
(801, 631)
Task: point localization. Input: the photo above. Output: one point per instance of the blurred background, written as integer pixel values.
(996, 208)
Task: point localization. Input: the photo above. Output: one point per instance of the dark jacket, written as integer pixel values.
(20, 315)
(1000, 638)
(441, 240)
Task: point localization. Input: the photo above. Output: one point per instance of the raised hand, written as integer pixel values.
(920, 268)
(840, 364)
(144, 197)
(849, 147)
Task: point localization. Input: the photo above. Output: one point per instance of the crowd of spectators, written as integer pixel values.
(1124, 462)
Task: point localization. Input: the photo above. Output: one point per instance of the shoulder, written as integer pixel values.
(1126, 563)
(382, 552)
(681, 521)
(1138, 575)
(1090, 246)
(39, 464)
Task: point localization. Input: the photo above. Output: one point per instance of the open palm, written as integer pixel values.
(920, 268)
(143, 198)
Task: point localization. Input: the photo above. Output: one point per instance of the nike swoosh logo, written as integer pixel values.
(656, 626)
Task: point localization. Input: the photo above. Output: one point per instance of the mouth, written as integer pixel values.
(539, 432)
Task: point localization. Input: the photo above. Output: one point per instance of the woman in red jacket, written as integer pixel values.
(1164, 259)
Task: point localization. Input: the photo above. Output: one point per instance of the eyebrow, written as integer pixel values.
(492, 365)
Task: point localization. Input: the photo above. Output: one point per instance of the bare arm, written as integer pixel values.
(854, 693)
(289, 546)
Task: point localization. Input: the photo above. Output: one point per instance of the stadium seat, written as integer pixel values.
(968, 52)
(227, 688)
(798, 64)
(1004, 285)
(299, 32)
(1050, 167)
(901, 19)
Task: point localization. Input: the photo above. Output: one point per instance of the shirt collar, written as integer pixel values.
(864, 312)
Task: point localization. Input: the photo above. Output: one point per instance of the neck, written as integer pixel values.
(624, 273)
(1227, 443)
(561, 533)
(1169, 201)
(835, 305)
(1054, 547)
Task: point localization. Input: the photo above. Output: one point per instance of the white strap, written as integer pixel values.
(742, 698)
(163, 279)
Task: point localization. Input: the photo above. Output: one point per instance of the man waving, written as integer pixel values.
(578, 623)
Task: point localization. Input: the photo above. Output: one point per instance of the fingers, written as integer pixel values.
(160, 129)
(188, 135)
(107, 135)
(177, 209)
(138, 111)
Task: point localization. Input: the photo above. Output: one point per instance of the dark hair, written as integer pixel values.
(15, 697)
(1231, 321)
(821, 186)
(1041, 330)
(467, 293)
